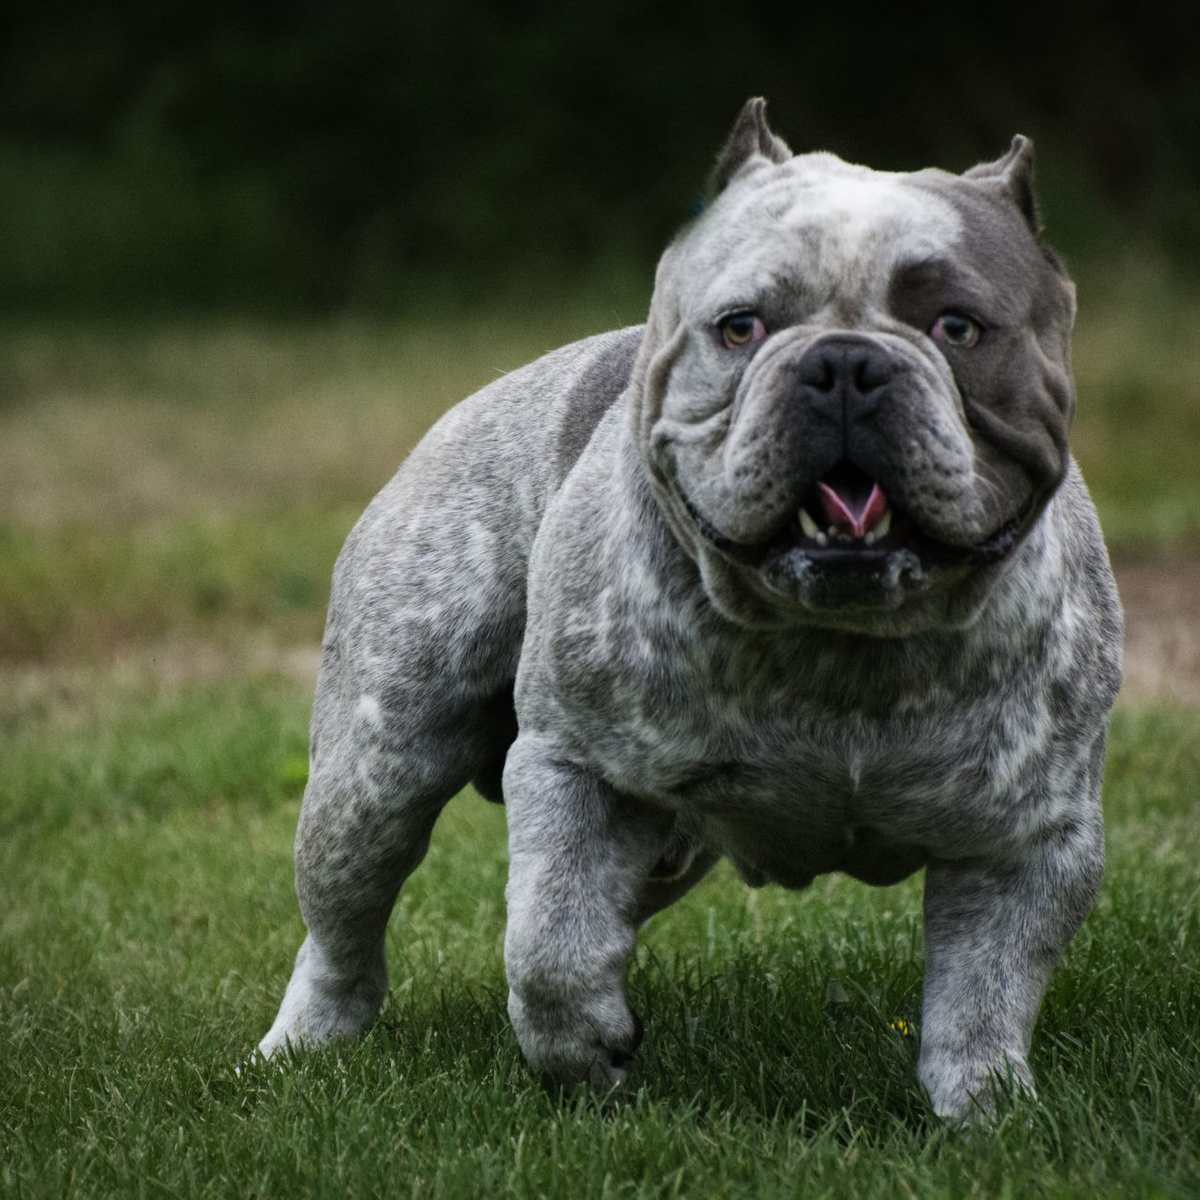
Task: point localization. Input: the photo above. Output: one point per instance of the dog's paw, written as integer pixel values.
(319, 1007)
(968, 1091)
(318, 1019)
(568, 1049)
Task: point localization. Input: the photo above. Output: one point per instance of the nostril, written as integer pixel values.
(869, 371)
(818, 371)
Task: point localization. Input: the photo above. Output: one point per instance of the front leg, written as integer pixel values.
(992, 937)
(579, 857)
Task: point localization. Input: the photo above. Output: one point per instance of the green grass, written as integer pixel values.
(148, 925)
(1137, 429)
(74, 592)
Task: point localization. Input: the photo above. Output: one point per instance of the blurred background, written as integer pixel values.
(374, 154)
(248, 253)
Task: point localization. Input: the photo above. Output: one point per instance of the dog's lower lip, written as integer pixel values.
(791, 539)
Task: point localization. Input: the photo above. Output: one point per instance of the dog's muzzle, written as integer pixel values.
(846, 521)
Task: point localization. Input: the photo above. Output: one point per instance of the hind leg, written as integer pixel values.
(382, 769)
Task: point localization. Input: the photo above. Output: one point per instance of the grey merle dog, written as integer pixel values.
(801, 573)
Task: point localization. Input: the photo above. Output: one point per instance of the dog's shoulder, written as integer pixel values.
(482, 476)
(586, 379)
(533, 422)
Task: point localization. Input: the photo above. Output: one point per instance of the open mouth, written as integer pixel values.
(846, 521)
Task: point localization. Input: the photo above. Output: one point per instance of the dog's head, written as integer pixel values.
(854, 388)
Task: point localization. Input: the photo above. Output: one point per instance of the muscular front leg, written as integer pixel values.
(580, 855)
(992, 937)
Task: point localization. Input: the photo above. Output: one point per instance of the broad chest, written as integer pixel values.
(803, 763)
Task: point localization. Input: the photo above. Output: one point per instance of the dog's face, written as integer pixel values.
(855, 387)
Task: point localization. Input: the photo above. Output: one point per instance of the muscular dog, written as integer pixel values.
(800, 573)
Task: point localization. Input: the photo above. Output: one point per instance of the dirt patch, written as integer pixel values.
(1162, 630)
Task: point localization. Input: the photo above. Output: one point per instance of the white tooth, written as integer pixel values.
(822, 539)
(869, 538)
(808, 524)
(885, 524)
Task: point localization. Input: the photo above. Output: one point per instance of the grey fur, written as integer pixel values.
(583, 575)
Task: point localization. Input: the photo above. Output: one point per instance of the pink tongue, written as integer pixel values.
(856, 517)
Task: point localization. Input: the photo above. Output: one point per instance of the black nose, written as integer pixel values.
(844, 377)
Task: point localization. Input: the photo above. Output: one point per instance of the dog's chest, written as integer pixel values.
(796, 795)
(800, 759)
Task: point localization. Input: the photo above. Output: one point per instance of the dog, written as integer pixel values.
(801, 574)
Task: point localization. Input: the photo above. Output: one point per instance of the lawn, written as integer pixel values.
(174, 496)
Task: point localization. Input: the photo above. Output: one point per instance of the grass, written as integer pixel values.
(148, 927)
(173, 499)
(1137, 366)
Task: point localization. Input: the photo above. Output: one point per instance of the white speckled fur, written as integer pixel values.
(569, 593)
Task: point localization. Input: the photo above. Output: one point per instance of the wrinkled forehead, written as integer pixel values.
(817, 225)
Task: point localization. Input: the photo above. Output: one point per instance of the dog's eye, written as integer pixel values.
(741, 329)
(956, 330)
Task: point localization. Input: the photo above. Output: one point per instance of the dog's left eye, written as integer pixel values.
(955, 329)
(741, 329)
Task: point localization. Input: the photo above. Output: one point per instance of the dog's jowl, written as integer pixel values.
(801, 573)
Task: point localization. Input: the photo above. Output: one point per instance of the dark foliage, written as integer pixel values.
(324, 155)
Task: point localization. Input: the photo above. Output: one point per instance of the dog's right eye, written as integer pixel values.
(741, 329)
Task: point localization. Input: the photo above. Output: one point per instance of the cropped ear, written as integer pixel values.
(751, 145)
(1013, 174)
